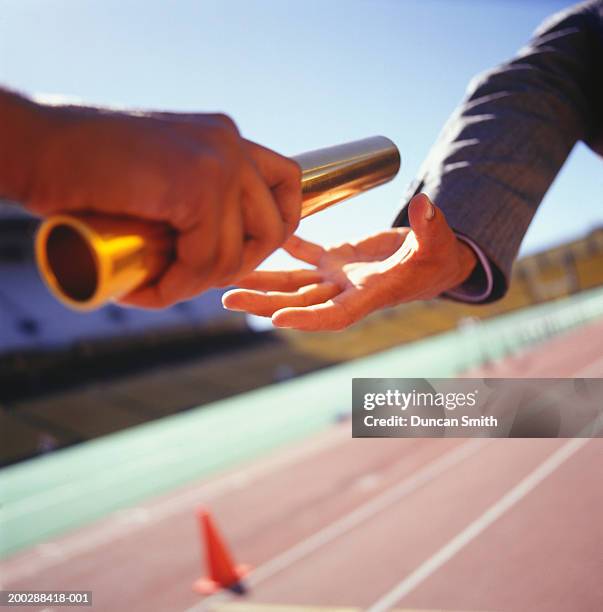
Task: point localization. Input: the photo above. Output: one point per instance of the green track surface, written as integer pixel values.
(49, 495)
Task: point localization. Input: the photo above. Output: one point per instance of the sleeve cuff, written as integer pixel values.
(478, 287)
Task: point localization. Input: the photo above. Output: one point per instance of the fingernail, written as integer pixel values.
(429, 211)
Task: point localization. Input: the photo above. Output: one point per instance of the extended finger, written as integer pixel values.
(304, 250)
(383, 244)
(328, 316)
(279, 280)
(265, 304)
(333, 315)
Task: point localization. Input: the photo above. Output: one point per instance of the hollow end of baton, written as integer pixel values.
(88, 260)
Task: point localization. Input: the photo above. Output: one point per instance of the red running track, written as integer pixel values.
(376, 524)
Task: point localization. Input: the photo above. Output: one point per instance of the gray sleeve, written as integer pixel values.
(501, 149)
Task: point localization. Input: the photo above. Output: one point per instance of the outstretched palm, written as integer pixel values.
(351, 280)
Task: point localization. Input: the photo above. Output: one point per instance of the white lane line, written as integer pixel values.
(125, 521)
(304, 548)
(493, 513)
(355, 518)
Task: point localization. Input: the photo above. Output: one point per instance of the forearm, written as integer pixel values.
(501, 150)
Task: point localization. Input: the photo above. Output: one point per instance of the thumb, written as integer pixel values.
(426, 220)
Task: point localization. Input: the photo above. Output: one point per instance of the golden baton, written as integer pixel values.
(87, 260)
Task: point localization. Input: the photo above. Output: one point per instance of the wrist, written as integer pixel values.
(24, 126)
(467, 261)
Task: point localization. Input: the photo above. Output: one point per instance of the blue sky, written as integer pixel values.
(296, 76)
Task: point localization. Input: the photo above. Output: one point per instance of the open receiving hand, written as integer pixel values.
(350, 281)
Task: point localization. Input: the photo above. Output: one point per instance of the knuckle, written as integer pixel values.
(232, 269)
(294, 169)
(200, 264)
(211, 166)
(277, 241)
(430, 259)
(227, 267)
(280, 235)
(204, 265)
(225, 123)
(274, 235)
(290, 227)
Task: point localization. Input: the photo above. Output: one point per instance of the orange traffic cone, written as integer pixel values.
(223, 574)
